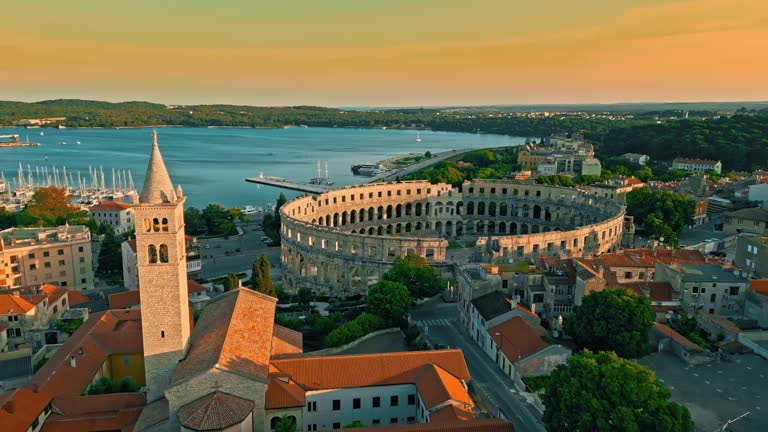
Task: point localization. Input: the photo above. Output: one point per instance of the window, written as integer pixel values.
(82, 270)
(337, 425)
(82, 280)
(411, 419)
(126, 361)
(162, 334)
(31, 255)
(627, 275)
(393, 420)
(163, 253)
(82, 259)
(311, 427)
(376, 401)
(47, 265)
(734, 290)
(61, 263)
(393, 401)
(152, 252)
(336, 404)
(46, 254)
(376, 421)
(312, 406)
(356, 403)
(33, 266)
(80, 249)
(62, 273)
(13, 332)
(411, 399)
(60, 252)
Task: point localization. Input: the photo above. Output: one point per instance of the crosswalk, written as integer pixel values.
(437, 322)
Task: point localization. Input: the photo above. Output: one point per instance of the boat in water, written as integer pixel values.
(367, 170)
(249, 210)
(320, 180)
(418, 137)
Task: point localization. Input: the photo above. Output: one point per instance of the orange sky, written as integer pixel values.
(386, 53)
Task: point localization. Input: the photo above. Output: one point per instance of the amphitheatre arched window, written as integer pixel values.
(418, 209)
(492, 209)
(147, 225)
(481, 208)
(163, 253)
(470, 208)
(399, 211)
(152, 254)
(389, 212)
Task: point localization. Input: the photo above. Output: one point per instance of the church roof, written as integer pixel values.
(234, 332)
(157, 184)
(214, 411)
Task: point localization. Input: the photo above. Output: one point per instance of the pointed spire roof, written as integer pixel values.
(157, 184)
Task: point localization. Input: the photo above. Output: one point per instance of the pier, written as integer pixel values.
(287, 184)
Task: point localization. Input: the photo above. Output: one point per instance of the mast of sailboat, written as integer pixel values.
(318, 169)
(130, 180)
(326, 170)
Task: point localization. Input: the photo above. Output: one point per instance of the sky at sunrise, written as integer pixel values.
(385, 53)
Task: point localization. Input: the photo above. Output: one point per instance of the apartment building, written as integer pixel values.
(115, 214)
(697, 165)
(35, 256)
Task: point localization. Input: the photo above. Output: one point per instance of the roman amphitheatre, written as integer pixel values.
(340, 242)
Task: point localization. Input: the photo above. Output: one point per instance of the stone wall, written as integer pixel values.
(341, 242)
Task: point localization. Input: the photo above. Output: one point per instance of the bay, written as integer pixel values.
(211, 164)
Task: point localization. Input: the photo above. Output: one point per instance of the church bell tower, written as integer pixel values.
(162, 262)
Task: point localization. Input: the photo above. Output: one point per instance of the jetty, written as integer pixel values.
(14, 142)
(280, 182)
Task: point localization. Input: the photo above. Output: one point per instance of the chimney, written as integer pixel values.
(513, 303)
(73, 361)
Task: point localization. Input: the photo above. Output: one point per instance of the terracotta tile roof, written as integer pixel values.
(122, 420)
(491, 305)
(214, 411)
(282, 392)
(234, 332)
(20, 407)
(517, 339)
(127, 299)
(319, 373)
(14, 305)
(484, 425)
(286, 341)
(35, 299)
(450, 413)
(754, 213)
(76, 298)
(677, 337)
(77, 405)
(103, 334)
(436, 386)
(53, 292)
(132, 245)
(724, 323)
(110, 206)
(759, 286)
(154, 413)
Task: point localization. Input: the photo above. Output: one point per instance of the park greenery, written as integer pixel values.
(604, 392)
(389, 300)
(612, 320)
(477, 164)
(413, 272)
(213, 220)
(661, 214)
(261, 280)
(110, 261)
(271, 222)
(68, 326)
(50, 206)
(106, 385)
(286, 424)
(362, 325)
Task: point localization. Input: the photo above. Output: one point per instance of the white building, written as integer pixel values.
(697, 165)
(636, 158)
(115, 214)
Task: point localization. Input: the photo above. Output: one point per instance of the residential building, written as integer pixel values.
(117, 215)
(752, 255)
(635, 158)
(19, 316)
(34, 256)
(712, 288)
(697, 165)
(749, 220)
(24, 410)
(667, 339)
(518, 349)
(612, 191)
(491, 309)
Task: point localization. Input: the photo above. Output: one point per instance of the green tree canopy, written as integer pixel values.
(414, 272)
(110, 255)
(612, 320)
(51, 206)
(286, 424)
(389, 300)
(662, 213)
(305, 296)
(261, 281)
(232, 282)
(603, 392)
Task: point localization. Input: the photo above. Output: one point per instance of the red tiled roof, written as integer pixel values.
(759, 286)
(110, 206)
(53, 292)
(282, 392)
(234, 332)
(517, 339)
(194, 287)
(450, 413)
(484, 425)
(677, 337)
(76, 298)
(659, 291)
(20, 407)
(436, 386)
(121, 420)
(214, 411)
(333, 372)
(14, 305)
(132, 245)
(77, 405)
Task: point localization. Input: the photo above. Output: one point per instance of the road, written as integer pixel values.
(237, 253)
(494, 390)
(436, 157)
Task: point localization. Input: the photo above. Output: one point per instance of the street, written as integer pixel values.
(490, 386)
(237, 253)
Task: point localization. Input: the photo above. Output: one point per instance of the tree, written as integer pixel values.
(105, 385)
(51, 206)
(232, 282)
(663, 214)
(428, 154)
(305, 296)
(389, 300)
(110, 256)
(612, 320)
(603, 392)
(260, 278)
(194, 223)
(354, 424)
(286, 424)
(68, 326)
(414, 272)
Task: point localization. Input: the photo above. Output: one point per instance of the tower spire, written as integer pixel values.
(157, 184)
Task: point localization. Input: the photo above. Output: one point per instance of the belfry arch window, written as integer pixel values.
(152, 254)
(163, 253)
(147, 225)
(165, 225)
(155, 224)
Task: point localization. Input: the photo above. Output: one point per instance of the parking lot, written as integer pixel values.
(237, 253)
(718, 391)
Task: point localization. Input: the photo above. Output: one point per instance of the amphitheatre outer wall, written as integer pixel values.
(341, 242)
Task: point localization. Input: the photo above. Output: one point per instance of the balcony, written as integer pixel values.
(194, 265)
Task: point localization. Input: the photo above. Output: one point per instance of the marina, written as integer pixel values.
(290, 185)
